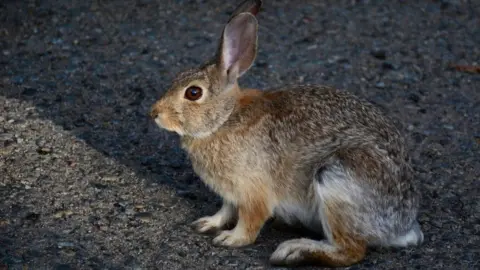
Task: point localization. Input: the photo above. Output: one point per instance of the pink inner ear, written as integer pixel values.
(239, 43)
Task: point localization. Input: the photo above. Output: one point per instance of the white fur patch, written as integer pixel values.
(291, 213)
(159, 122)
(307, 215)
(336, 184)
(411, 238)
(327, 231)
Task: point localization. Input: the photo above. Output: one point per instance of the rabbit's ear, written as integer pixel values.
(238, 46)
(251, 6)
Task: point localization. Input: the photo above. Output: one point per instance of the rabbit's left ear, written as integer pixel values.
(251, 6)
(238, 47)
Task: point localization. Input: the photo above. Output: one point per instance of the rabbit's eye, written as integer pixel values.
(193, 93)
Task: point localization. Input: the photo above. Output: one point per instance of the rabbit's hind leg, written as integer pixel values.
(342, 246)
(344, 249)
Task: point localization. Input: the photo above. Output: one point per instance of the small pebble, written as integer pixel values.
(122, 204)
(4, 222)
(63, 213)
(144, 216)
(449, 127)
(110, 178)
(44, 150)
(69, 252)
(139, 206)
(380, 85)
(65, 245)
(6, 136)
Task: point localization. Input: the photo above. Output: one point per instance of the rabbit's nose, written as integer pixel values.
(154, 112)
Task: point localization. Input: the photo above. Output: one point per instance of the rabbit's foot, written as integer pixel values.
(207, 224)
(216, 222)
(251, 217)
(295, 252)
(306, 251)
(233, 238)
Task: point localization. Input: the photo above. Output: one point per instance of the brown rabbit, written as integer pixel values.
(308, 154)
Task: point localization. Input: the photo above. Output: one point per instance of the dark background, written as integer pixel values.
(88, 182)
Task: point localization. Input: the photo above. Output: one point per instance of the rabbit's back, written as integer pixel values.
(304, 116)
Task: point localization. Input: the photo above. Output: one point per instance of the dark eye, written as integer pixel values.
(193, 93)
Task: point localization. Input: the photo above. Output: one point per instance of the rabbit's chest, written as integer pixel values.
(225, 166)
(215, 165)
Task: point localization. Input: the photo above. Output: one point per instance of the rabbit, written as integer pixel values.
(311, 154)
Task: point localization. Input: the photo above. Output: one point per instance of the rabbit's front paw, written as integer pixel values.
(214, 223)
(207, 224)
(232, 238)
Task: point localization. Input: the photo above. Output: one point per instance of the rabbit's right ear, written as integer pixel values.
(238, 47)
(251, 6)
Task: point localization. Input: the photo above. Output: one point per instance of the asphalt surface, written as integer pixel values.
(88, 182)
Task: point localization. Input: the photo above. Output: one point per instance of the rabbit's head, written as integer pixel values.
(200, 100)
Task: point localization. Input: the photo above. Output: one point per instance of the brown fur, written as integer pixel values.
(254, 213)
(344, 257)
(248, 97)
(350, 248)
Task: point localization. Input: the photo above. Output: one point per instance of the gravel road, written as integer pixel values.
(88, 182)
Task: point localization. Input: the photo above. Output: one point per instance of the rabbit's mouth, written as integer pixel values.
(165, 123)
